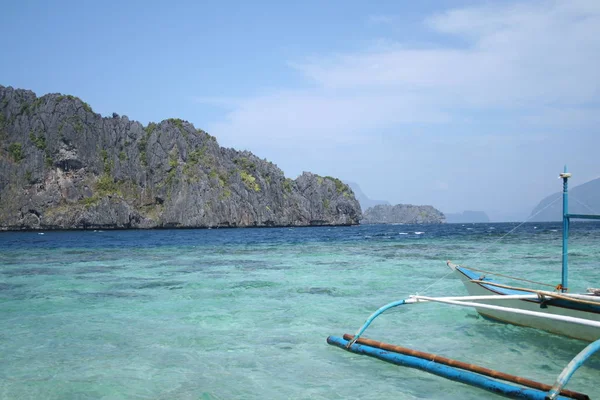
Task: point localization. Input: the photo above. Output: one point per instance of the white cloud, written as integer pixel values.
(528, 55)
(322, 115)
(546, 52)
(527, 64)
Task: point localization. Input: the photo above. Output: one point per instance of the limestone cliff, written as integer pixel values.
(63, 166)
(402, 214)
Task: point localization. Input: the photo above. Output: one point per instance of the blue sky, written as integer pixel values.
(464, 105)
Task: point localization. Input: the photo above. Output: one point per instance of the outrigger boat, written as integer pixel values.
(559, 312)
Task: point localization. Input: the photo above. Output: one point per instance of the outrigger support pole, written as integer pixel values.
(467, 301)
(570, 369)
(418, 299)
(373, 316)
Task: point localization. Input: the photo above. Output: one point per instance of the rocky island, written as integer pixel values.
(63, 166)
(403, 214)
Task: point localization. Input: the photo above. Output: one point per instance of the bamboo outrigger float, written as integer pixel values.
(558, 312)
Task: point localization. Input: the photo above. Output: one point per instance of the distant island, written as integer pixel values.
(402, 214)
(66, 167)
(467, 217)
(583, 199)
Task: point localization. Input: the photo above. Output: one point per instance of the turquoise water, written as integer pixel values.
(244, 313)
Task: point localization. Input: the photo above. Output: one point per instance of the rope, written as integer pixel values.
(493, 244)
(515, 228)
(539, 292)
(585, 205)
(436, 282)
(512, 277)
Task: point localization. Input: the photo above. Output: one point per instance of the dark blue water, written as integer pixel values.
(250, 236)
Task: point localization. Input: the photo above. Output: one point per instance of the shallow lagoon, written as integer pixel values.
(244, 313)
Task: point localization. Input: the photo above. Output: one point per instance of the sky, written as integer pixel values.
(463, 105)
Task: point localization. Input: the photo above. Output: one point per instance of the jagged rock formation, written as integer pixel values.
(467, 216)
(584, 199)
(402, 214)
(62, 166)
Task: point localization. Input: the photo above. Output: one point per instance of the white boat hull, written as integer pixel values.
(587, 333)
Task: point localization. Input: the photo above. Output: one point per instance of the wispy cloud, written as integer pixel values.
(522, 61)
(323, 115)
(513, 55)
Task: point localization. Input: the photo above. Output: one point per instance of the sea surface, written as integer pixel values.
(245, 313)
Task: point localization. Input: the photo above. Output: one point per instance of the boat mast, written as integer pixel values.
(564, 283)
